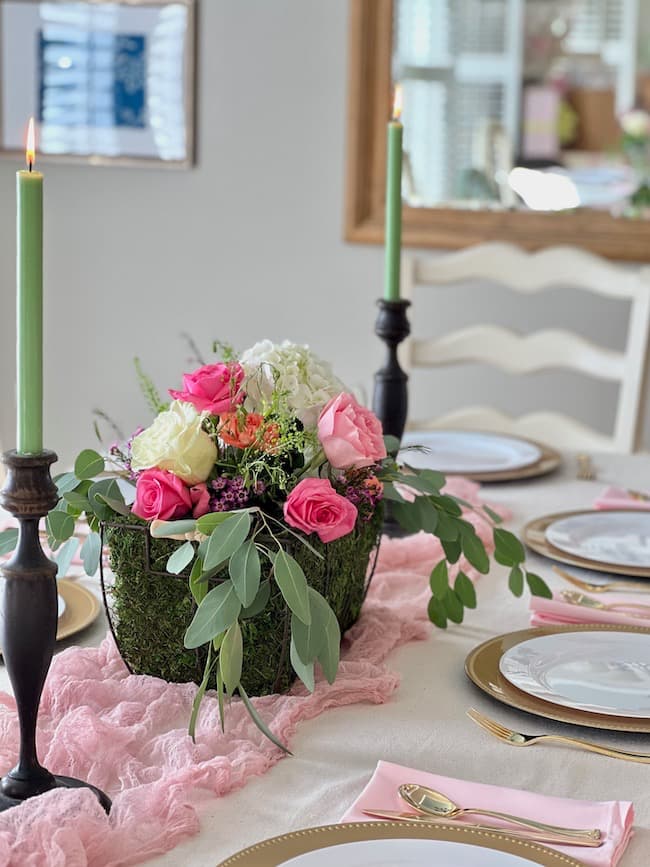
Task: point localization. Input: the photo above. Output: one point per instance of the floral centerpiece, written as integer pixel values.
(635, 143)
(262, 484)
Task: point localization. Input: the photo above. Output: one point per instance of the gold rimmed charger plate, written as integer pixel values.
(534, 535)
(81, 608)
(549, 461)
(482, 668)
(277, 850)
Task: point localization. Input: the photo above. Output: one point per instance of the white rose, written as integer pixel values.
(305, 382)
(176, 442)
(636, 123)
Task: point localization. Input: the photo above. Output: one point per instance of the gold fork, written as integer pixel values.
(586, 469)
(610, 586)
(518, 739)
(636, 609)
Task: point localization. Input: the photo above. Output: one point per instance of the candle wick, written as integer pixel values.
(30, 165)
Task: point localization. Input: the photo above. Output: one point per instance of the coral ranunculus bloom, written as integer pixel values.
(244, 431)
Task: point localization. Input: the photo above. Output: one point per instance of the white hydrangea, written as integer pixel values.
(306, 382)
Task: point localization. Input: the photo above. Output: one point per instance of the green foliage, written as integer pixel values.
(149, 390)
(88, 465)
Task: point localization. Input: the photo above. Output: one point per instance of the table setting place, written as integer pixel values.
(314, 647)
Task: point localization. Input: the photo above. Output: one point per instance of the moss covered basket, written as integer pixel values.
(149, 609)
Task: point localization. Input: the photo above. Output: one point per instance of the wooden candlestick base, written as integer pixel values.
(29, 622)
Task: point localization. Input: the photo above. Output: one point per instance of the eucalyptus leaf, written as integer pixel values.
(453, 606)
(474, 551)
(207, 523)
(217, 611)
(465, 590)
(537, 586)
(305, 671)
(8, 540)
(91, 551)
(222, 719)
(436, 612)
(88, 464)
(59, 525)
(198, 584)
(180, 558)
(391, 443)
(226, 538)
(508, 549)
(245, 571)
(259, 722)
(66, 482)
(77, 501)
(231, 657)
(330, 651)
(65, 555)
(439, 580)
(309, 639)
(293, 585)
(173, 528)
(196, 704)
(516, 581)
(96, 494)
(116, 505)
(259, 603)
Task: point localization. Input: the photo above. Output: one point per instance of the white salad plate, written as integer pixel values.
(615, 538)
(592, 671)
(468, 452)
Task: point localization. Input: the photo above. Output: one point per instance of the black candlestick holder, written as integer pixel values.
(390, 398)
(29, 622)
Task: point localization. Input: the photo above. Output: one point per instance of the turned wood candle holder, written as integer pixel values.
(29, 622)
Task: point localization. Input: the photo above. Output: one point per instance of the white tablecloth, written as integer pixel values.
(424, 724)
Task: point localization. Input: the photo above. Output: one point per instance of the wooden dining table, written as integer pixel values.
(424, 724)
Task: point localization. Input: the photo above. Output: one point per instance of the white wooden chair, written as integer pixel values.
(503, 348)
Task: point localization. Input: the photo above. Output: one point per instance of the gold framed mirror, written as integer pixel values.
(374, 63)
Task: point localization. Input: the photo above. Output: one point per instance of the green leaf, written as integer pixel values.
(207, 523)
(118, 506)
(330, 651)
(226, 538)
(65, 555)
(77, 501)
(407, 516)
(465, 590)
(453, 606)
(59, 525)
(537, 586)
(222, 718)
(231, 657)
(448, 529)
(436, 613)
(305, 671)
(91, 551)
(508, 549)
(259, 603)
(245, 571)
(449, 505)
(416, 482)
(439, 580)
(391, 443)
(173, 528)
(427, 514)
(88, 464)
(434, 479)
(516, 581)
(96, 494)
(8, 540)
(218, 610)
(492, 515)
(389, 493)
(180, 558)
(474, 551)
(451, 547)
(309, 639)
(259, 722)
(293, 585)
(196, 704)
(198, 584)
(65, 482)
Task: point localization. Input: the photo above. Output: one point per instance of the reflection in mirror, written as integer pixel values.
(527, 104)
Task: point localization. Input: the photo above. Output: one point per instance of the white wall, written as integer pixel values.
(247, 245)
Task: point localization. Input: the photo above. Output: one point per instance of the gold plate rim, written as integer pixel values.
(534, 536)
(482, 668)
(81, 608)
(276, 850)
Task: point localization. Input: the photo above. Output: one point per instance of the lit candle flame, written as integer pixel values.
(397, 102)
(30, 151)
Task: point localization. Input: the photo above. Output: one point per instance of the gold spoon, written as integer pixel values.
(636, 609)
(427, 800)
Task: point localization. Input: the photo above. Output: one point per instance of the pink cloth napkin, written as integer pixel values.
(556, 610)
(619, 498)
(614, 818)
(128, 734)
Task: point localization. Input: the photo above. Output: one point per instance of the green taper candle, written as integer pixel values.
(393, 236)
(29, 304)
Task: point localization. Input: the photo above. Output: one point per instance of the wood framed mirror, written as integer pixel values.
(374, 65)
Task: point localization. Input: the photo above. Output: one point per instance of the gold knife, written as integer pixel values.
(537, 836)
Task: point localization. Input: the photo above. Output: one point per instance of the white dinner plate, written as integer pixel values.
(468, 452)
(406, 853)
(61, 605)
(617, 538)
(591, 671)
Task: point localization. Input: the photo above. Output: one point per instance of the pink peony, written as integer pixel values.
(314, 507)
(350, 434)
(200, 497)
(161, 494)
(213, 388)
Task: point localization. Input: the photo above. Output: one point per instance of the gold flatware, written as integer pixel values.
(427, 800)
(636, 609)
(609, 587)
(518, 739)
(586, 469)
(537, 836)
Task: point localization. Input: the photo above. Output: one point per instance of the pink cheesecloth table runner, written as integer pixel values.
(128, 734)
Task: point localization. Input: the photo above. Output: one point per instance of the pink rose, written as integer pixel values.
(350, 434)
(200, 500)
(161, 494)
(214, 388)
(314, 507)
